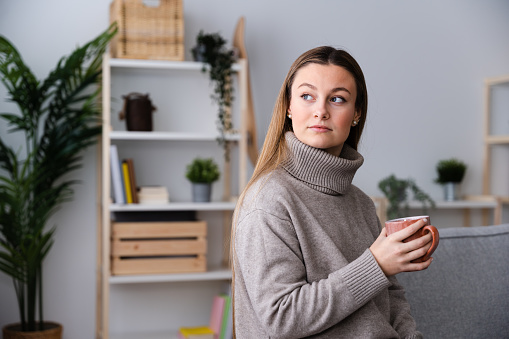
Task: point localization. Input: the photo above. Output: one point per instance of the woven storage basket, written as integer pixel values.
(147, 32)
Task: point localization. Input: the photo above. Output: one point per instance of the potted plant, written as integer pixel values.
(396, 191)
(202, 173)
(59, 117)
(450, 174)
(210, 49)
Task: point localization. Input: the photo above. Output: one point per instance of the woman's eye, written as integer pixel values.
(306, 97)
(337, 99)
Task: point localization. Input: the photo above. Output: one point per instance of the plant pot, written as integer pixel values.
(199, 53)
(201, 192)
(451, 191)
(51, 331)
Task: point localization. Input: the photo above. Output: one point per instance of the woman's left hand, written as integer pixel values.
(395, 256)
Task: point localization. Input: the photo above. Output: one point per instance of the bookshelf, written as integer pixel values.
(495, 135)
(184, 127)
(467, 204)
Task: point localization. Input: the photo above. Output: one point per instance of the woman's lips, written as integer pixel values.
(319, 128)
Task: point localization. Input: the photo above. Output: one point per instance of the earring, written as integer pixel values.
(289, 115)
(355, 122)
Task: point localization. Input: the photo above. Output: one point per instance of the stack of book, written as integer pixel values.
(125, 190)
(220, 325)
(200, 332)
(123, 178)
(153, 195)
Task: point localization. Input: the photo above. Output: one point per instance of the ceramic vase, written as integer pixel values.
(202, 192)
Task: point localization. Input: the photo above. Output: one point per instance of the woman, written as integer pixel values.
(310, 258)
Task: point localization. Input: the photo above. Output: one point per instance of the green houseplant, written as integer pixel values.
(396, 191)
(211, 50)
(202, 173)
(450, 174)
(59, 117)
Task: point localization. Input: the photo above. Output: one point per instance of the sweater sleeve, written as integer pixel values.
(269, 259)
(401, 319)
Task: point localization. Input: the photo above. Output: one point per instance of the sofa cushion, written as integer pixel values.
(465, 291)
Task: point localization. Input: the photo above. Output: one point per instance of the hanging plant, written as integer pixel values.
(218, 61)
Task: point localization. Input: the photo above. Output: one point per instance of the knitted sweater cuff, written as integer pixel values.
(364, 278)
(416, 335)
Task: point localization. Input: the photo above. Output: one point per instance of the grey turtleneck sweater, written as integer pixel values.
(303, 268)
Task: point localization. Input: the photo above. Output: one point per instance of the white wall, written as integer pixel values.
(424, 62)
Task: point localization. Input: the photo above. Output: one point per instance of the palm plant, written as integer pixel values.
(59, 118)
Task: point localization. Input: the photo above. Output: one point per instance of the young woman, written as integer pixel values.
(310, 256)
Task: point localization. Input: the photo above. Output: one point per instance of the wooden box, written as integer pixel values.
(158, 247)
(148, 32)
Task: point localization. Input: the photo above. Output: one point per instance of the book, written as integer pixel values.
(116, 176)
(153, 195)
(226, 325)
(127, 182)
(216, 314)
(132, 180)
(197, 332)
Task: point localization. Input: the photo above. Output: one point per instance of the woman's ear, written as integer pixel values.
(357, 115)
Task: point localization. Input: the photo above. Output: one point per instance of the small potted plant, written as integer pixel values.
(450, 174)
(210, 49)
(396, 192)
(202, 173)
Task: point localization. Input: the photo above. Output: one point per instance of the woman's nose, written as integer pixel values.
(321, 111)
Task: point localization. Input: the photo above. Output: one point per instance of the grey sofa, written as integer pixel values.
(465, 292)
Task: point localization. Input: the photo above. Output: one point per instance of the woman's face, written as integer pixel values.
(322, 106)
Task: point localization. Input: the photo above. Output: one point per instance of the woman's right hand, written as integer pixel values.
(395, 256)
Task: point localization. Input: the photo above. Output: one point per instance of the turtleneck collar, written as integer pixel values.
(320, 170)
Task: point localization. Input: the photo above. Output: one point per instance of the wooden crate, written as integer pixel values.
(146, 32)
(158, 247)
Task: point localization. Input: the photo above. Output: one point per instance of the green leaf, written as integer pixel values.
(59, 118)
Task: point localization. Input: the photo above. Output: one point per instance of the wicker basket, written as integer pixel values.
(146, 32)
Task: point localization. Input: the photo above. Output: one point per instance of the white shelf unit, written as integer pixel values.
(113, 291)
(492, 139)
(483, 202)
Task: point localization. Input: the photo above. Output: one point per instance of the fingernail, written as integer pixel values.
(425, 220)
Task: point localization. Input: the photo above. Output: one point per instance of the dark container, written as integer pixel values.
(137, 112)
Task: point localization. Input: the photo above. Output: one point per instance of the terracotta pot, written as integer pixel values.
(51, 331)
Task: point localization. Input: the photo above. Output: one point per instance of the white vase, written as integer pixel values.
(451, 191)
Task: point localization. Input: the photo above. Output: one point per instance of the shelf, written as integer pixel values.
(497, 139)
(145, 335)
(497, 80)
(219, 217)
(175, 206)
(168, 136)
(158, 64)
(217, 274)
(458, 204)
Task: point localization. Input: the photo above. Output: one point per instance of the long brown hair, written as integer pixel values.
(274, 147)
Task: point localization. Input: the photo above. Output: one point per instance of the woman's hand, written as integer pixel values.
(395, 256)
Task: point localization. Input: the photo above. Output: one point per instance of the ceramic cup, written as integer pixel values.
(395, 225)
